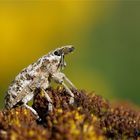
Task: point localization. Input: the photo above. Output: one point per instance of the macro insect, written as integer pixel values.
(39, 75)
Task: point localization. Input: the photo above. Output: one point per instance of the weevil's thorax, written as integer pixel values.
(51, 63)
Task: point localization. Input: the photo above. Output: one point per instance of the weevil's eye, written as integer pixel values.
(57, 53)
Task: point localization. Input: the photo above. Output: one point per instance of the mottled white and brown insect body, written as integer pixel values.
(39, 75)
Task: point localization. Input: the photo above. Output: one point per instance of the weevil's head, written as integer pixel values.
(60, 54)
(63, 50)
(55, 60)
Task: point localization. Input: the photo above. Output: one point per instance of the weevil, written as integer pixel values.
(39, 75)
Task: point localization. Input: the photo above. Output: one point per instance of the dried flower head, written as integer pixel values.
(91, 117)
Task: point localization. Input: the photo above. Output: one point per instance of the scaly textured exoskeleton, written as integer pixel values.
(39, 75)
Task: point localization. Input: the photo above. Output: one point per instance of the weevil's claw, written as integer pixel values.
(71, 101)
(39, 121)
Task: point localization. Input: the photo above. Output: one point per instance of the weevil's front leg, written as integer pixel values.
(69, 82)
(59, 78)
(26, 99)
(50, 106)
(70, 93)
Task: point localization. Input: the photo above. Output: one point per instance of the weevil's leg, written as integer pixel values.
(69, 92)
(69, 82)
(32, 110)
(59, 78)
(50, 106)
(25, 100)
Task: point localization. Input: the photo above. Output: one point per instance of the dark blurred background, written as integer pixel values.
(106, 35)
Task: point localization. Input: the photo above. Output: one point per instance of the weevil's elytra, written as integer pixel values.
(39, 75)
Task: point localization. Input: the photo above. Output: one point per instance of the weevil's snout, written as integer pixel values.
(67, 49)
(64, 50)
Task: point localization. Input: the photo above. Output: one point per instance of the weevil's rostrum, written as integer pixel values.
(39, 75)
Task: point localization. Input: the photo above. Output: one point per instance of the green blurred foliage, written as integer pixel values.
(105, 34)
